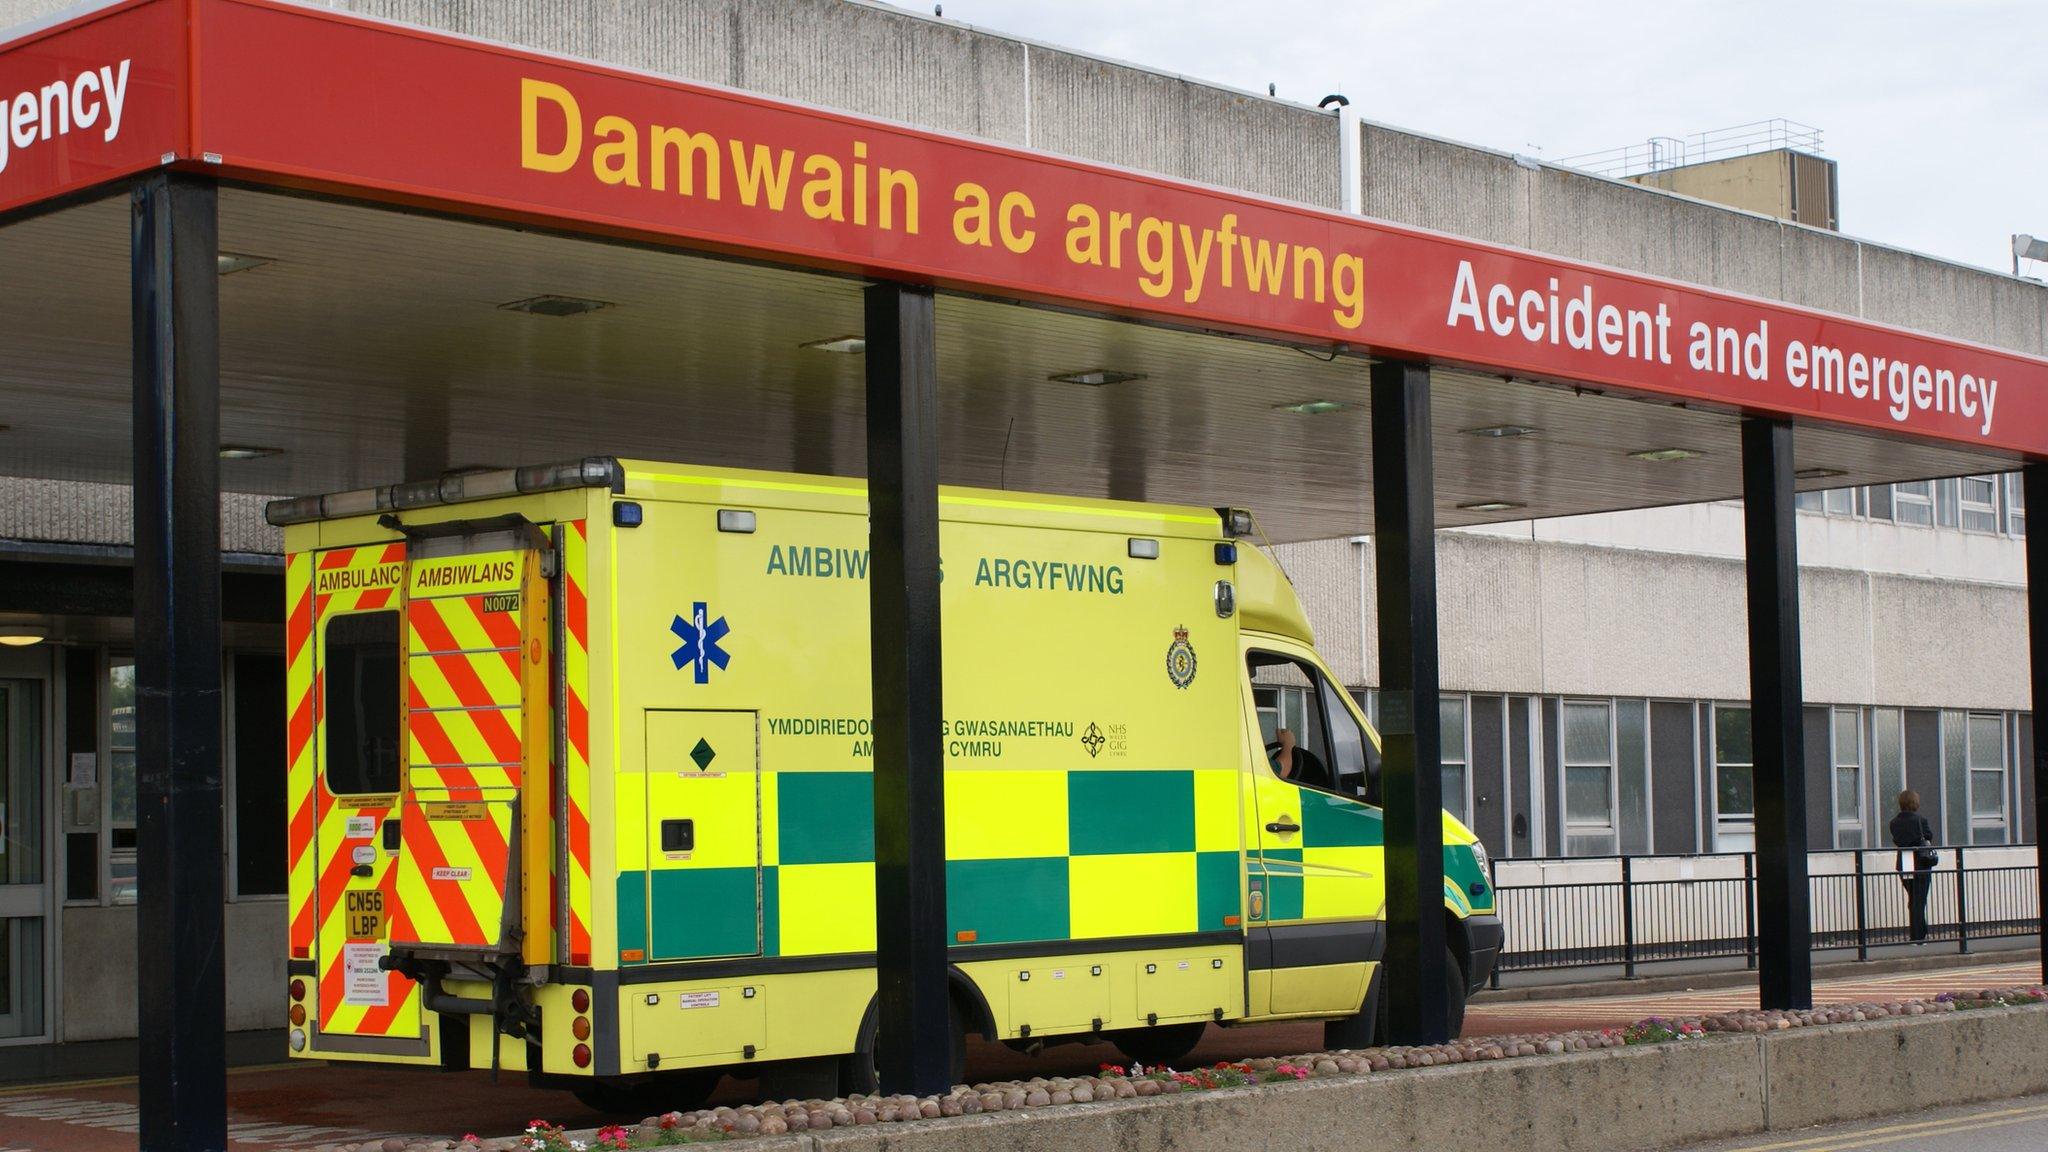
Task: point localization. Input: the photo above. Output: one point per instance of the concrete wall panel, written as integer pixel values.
(1819, 270)
(1431, 183)
(1941, 644)
(880, 62)
(1834, 632)
(99, 969)
(1489, 637)
(1927, 294)
(1325, 574)
(688, 39)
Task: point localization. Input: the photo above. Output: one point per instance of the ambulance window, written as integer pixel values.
(361, 708)
(1357, 763)
(1289, 698)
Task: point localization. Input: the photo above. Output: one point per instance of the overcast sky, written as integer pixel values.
(1934, 110)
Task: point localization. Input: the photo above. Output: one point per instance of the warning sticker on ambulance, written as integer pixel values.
(363, 983)
(360, 827)
(451, 873)
(698, 1000)
(456, 810)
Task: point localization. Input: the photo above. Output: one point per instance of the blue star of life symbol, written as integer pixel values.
(700, 642)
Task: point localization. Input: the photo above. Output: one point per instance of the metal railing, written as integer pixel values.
(1658, 153)
(1625, 911)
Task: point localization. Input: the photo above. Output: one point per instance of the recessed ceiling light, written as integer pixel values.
(1662, 455)
(850, 345)
(228, 263)
(1311, 407)
(1096, 377)
(1489, 506)
(1819, 473)
(555, 305)
(1502, 431)
(246, 452)
(22, 635)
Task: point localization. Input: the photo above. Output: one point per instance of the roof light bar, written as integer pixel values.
(589, 472)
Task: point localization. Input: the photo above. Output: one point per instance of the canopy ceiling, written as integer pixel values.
(373, 347)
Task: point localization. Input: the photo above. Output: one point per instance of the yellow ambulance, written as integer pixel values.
(580, 781)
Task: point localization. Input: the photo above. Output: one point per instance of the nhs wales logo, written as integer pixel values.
(700, 648)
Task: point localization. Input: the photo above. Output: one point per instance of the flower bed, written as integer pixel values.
(1116, 1082)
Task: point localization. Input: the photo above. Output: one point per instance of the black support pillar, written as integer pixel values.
(915, 1043)
(1770, 540)
(180, 879)
(1411, 776)
(2037, 662)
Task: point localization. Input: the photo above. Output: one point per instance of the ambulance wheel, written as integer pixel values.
(1454, 995)
(645, 1096)
(1166, 1044)
(858, 1071)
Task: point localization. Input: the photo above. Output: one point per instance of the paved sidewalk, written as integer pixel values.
(310, 1105)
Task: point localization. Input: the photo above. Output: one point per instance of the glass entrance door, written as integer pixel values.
(24, 901)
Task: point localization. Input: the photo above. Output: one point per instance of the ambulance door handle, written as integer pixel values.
(678, 835)
(363, 870)
(391, 835)
(1282, 826)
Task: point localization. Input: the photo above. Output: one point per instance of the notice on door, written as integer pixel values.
(363, 983)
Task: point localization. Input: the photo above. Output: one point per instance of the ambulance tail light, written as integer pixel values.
(581, 1055)
(298, 988)
(454, 488)
(580, 1000)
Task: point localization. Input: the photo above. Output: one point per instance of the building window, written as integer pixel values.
(120, 819)
(2015, 503)
(1734, 780)
(1848, 777)
(254, 796)
(1839, 501)
(1979, 496)
(1589, 828)
(1457, 774)
(1987, 778)
(1913, 503)
(1888, 756)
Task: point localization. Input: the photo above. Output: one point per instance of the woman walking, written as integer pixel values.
(1911, 833)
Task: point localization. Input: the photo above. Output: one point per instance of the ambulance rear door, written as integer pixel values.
(357, 629)
(475, 821)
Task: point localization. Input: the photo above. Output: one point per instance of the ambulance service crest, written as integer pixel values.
(1180, 659)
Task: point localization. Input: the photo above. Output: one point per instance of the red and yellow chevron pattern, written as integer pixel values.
(467, 666)
(576, 617)
(330, 835)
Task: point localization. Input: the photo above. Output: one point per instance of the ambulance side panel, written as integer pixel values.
(1093, 749)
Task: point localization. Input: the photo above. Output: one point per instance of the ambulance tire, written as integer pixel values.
(1454, 995)
(1166, 1044)
(858, 1071)
(1368, 1026)
(628, 1101)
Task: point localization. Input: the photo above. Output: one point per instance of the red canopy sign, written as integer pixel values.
(295, 95)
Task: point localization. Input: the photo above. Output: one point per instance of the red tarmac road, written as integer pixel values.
(306, 1105)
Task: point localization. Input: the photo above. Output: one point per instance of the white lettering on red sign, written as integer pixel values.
(1569, 316)
(34, 115)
